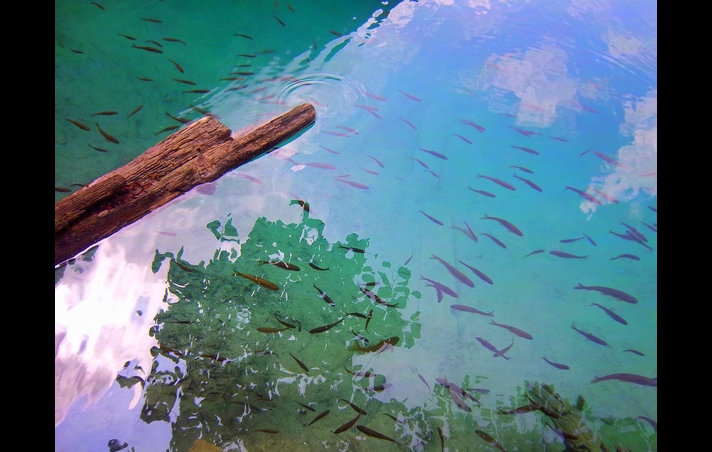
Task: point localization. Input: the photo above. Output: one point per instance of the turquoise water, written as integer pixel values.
(560, 94)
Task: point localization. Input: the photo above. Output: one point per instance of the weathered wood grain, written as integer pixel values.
(198, 153)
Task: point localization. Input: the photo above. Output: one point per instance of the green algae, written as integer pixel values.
(217, 378)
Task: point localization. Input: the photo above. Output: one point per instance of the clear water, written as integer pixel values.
(137, 334)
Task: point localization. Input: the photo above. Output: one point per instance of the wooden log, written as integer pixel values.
(198, 153)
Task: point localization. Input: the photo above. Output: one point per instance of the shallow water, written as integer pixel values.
(156, 338)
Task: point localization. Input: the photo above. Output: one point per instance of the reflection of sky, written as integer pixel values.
(472, 70)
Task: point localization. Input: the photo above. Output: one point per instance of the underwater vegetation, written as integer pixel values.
(256, 350)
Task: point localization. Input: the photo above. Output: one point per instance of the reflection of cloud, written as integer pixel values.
(540, 79)
(638, 162)
(97, 328)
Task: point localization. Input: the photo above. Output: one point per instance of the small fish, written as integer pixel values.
(421, 162)
(62, 189)
(530, 183)
(628, 378)
(476, 126)
(482, 192)
(431, 218)
(287, 324)
(278, 20)
(436, 154)
(611, 314)
(78, 124)
(356, 408)
(321, 329)
(567, 255)
(318, 416)
(481, 275)
(468, 232)
(440, 288)
(246, 55)
(178, 66)
(652, 228)
(378, 348)
(455, 272)
(242, 73)
(106, 135)
(284, 265)
(144, 79)
(557, 365)
(570, 240)
(175, 40)
(559, 139)
(197, 91)
(526, 170)
(491, 441)
(347, 425)
(409, 96)
(187, 82)
(491, 348)
(504, 184)
(606, 158)
(368, 319)
(151, 20)
(180, 120)
(359, 374)
(315, 267)
(534, 252)
(634, 352)
(331, 150)
(410, 124)
(324, 296)
(608, 197)
(374, 434)
(243, 36)
(462, 138)
(154, 42)
(590, 336)
(513, 229)
(649, 421)
(307, 407)
(425, 382)
(291, 8)
(266, 430)
(76, 51)
(529, 150)
(513, 330)
(353, 183)
(584, 195)
(374, 96)
(127, 36)
(522, 409)
(258, 281)
(98, 149)
(626, 256)
(351, 248)
(106, 113)
(495, 240)
(590, 240)
(266, 329)
(526, 133)
(167, 129)
(135, 111)
(654, 209)
(615, 293)
(462, 307)
(306, 369)
(149, 48)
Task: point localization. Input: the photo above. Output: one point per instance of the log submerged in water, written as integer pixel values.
(199, 153)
